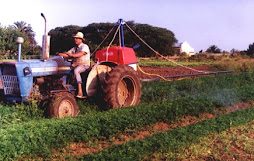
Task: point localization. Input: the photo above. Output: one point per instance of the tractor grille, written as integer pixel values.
(10, 85)
(9, 80)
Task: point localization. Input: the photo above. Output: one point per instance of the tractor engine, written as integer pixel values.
(21, 80)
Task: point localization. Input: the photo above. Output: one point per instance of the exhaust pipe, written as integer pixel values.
(45, 47)
(45, 41)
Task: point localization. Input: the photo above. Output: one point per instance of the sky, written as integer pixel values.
(226, 23)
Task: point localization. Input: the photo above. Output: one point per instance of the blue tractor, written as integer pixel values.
(113, 78)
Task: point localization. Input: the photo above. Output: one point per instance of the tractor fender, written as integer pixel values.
(97, 76)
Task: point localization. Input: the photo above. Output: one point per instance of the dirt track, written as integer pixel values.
(169, 71)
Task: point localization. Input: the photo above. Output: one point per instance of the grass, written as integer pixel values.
(238, 65)
(159, 91)
(173, 140)
(18, 113)
(24, 131)
(6, 60)
(39, 136)
(234, 144)
(76, 150)
(222, 88)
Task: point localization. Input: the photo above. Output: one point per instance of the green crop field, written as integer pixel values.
(26, 133)
(216, 146)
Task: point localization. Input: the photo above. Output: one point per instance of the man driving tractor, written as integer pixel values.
(80, 55)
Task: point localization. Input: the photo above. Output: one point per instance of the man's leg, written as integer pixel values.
(80, 91)
(79, 69)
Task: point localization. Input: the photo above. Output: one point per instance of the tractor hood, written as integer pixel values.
(17, 76)
(36, 67)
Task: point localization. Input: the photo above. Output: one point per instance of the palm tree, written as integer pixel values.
(27, 30)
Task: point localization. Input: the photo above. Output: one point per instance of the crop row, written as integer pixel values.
(213, 87)
(13, 114)
(173, 140)
(159, 91)
(38, 137)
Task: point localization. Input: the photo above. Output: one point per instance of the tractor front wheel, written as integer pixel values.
(122, 87)
(63, 105)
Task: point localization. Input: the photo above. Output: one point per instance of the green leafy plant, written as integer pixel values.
(30, 134)
(173, 140)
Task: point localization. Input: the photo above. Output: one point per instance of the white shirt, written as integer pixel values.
(83, 60)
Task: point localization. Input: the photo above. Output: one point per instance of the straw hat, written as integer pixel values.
(79, 35)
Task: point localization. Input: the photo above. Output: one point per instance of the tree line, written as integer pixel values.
(215, 49)
(8, 36)
(160, 39)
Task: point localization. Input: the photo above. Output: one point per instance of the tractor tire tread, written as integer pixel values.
(111, 83)
(55, 101)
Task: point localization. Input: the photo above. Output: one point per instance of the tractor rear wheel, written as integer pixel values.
(63, 105)
(122, 87)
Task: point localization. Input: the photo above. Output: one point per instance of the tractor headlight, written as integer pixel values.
(27, 71)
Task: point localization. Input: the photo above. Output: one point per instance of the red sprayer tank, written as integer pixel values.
(118, 55)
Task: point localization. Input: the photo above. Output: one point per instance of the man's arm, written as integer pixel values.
(79, 54)
(65, 55)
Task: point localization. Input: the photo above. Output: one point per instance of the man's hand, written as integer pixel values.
(70, 54)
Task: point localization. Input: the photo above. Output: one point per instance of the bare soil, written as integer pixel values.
(169, 71)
